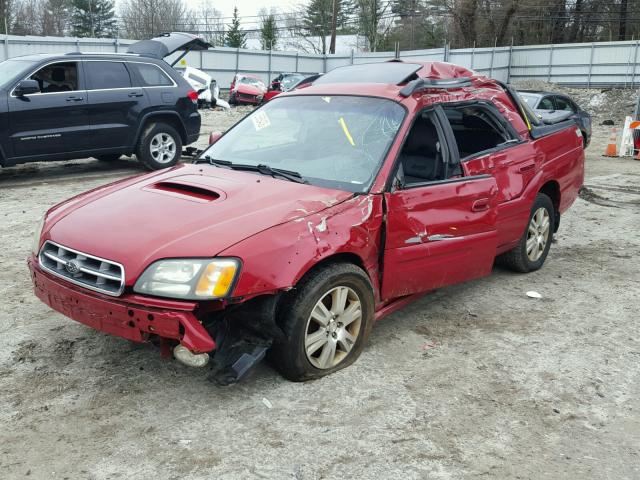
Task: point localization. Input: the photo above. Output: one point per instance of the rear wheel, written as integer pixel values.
(159, 147)
(327, 323)
(533, 247)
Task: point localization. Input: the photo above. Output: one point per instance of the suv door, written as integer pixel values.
(441, 226)
(56, 119)
(115, 105)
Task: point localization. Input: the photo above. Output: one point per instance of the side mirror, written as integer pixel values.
(27, 87)
(214, 137)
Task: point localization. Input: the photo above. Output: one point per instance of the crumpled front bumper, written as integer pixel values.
(132, 317)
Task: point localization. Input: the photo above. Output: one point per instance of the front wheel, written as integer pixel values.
(533, 247)
(327, 323)
(159, 147)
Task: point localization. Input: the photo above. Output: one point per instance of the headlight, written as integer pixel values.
(35, 247)
(192, 279)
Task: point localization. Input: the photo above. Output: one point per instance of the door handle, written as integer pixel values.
(480, 205)
(136, 94)
(74, 99)
(527, 167)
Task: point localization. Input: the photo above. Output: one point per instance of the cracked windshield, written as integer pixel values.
(331, 141)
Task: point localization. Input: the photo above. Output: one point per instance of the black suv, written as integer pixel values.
(77, 105)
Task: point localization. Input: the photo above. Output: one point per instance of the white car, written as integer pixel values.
(207, 88)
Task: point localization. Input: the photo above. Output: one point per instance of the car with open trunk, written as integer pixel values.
(102, 105)
(318, 214)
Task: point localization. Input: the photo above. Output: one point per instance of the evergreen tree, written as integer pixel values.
(93, 18)
(268, 32)
(236, 38)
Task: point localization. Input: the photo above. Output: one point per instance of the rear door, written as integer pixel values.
(56, 119)
(115, 105)
(441, 226)
(489, 145)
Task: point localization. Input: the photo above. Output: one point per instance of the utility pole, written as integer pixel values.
(622, 29)
(334, 25)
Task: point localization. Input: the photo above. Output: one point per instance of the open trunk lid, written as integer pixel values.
(167, 43)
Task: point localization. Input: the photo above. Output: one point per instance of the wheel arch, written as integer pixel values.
(168, 117)
(552, 190)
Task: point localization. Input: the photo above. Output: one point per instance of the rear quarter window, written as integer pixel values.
(149, 75)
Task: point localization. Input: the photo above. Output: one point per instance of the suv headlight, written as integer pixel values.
(35, 246)
(191, 279)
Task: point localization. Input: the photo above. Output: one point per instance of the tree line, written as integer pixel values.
(413, 24)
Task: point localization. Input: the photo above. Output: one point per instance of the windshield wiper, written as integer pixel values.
(263, 169)
(267, 170)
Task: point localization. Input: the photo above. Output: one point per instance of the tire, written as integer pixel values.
(341, 281)
(156, 144)
(519, 259)
(108, 158)
(232, 99)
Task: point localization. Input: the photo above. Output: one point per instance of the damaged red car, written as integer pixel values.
(246, 89)
(312, 218)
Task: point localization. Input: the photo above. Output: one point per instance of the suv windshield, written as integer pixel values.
(11, 70)
(331, 141)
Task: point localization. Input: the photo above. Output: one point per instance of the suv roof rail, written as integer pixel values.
(425, 83)
(115, 54)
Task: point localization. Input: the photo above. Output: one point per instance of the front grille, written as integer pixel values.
(82, 269)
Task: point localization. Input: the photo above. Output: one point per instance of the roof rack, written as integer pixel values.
(118, 54)
(425, 83)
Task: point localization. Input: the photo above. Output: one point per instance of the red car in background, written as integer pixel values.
(246, 89)
(313, 217)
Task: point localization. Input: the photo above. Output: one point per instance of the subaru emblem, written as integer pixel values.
(72, 267)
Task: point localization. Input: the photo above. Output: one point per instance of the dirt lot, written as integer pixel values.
(473, 381)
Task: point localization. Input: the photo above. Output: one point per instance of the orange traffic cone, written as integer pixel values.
(612, 148)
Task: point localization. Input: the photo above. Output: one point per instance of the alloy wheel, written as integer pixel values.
(333, 327)
(163, 148)
(538, 234)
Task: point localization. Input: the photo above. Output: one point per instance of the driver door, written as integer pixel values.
(441, 228)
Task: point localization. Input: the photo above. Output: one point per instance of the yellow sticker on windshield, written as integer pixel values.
(347, 134)
(260, 120)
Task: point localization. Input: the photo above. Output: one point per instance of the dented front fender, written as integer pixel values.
(277, 258)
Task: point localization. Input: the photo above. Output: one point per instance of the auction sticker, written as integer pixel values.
(260, 120)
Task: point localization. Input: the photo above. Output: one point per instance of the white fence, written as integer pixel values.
(585, 64)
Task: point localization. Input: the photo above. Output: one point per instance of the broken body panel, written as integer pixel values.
(408, 240)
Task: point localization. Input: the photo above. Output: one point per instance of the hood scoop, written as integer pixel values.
(185, 190)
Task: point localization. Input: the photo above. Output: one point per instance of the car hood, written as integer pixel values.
(249, 89)
(187, 211)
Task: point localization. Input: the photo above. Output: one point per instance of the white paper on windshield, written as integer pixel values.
(327, 99)
(260, 120)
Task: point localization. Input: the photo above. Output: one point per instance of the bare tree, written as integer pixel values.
(148, 18)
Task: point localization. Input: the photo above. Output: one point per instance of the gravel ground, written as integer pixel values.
(472, 381)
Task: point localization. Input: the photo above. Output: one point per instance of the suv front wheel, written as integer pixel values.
(159, 147)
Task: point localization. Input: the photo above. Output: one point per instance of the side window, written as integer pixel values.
(106, 75)
(477, 129)
(150, 75)
(564, 104)
(57, 77)
(423, 157)
(546, 104)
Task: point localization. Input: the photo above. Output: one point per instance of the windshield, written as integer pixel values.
(530, 98)
(251, 81)
(11, 70)
(290, 80)
(335, 142)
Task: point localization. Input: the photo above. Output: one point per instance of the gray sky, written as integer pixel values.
(247, 8)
